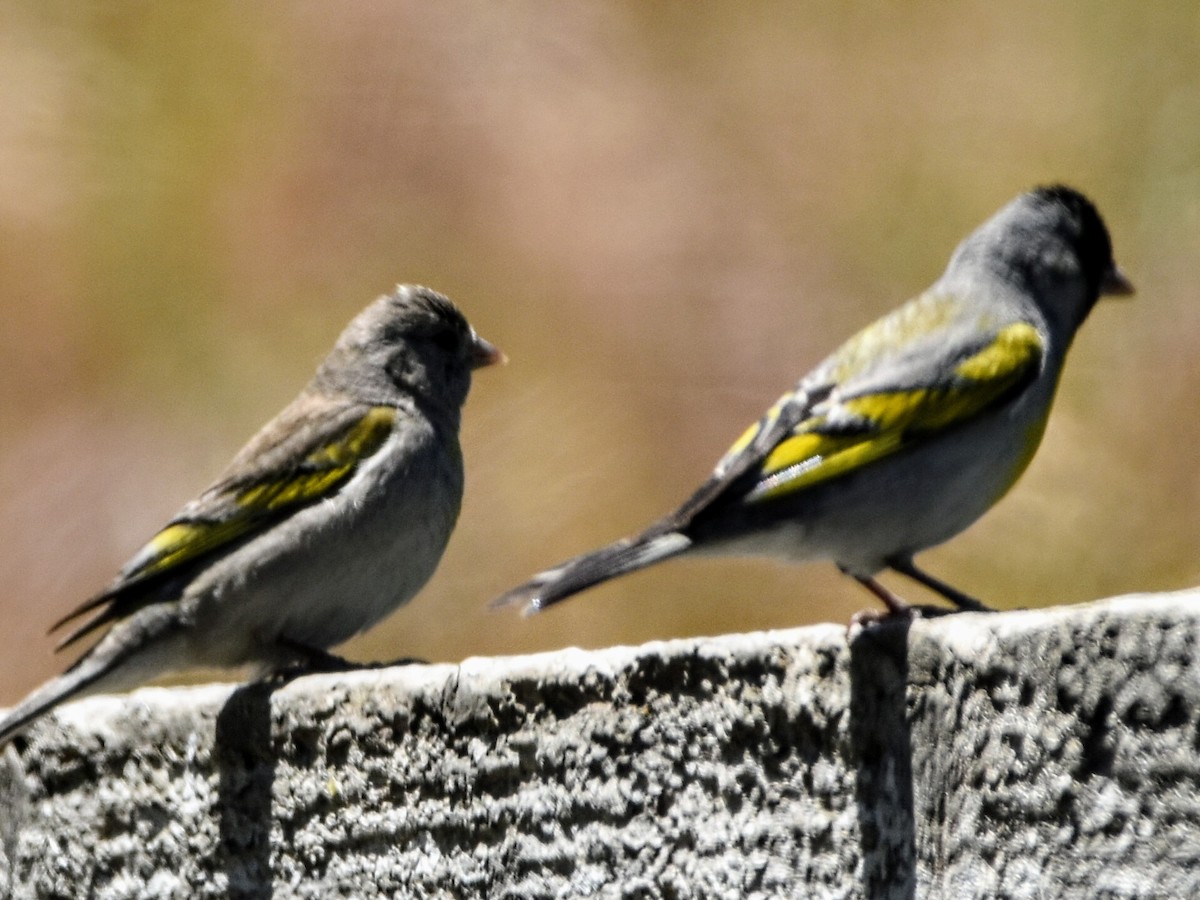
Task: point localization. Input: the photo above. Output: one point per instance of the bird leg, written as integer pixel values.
(965, 602)
(896, 608)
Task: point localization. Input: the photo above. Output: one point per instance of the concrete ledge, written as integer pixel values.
(1035, 754)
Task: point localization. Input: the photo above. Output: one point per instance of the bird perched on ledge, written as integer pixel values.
(909, 432)
(336, 513)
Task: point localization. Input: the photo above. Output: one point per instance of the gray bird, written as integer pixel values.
(334, 514)
(910, 431)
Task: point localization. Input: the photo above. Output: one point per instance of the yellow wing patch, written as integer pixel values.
(317, 476)
(811, 457)
(748, 436)
(878, 424)
(324, 468)
(1014, 349)
(182, 541)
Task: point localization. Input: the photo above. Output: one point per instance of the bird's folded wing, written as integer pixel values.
(306, 455)
(863, 420)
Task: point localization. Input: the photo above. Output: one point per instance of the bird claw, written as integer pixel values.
(866, 618)
(313, 662)
(307, 660)
(400, 661)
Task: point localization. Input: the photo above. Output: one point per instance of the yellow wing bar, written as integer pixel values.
(884, 421)
(318, 475)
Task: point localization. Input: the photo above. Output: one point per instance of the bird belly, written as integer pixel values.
(897, 506)
(335, 568)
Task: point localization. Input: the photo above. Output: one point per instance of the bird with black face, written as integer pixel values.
(333, 515)
(908, 432)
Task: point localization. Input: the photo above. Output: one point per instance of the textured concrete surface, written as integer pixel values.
(1034, 754)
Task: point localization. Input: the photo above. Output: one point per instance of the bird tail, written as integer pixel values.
(106, 666)
(575, 575)
(74, 681)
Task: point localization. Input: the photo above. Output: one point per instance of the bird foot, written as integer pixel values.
(313, 660)
(897, 609)
(391, 663)
(306, 660)
(866, 618)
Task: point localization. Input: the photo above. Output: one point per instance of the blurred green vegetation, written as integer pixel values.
(664, 213)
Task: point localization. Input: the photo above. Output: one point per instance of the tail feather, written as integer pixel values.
(128, 655)
(71, 683)
(578, 574)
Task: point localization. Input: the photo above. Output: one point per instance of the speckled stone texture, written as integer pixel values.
(1034, 754)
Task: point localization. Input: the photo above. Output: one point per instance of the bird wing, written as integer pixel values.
(908, 377)
(305, 455)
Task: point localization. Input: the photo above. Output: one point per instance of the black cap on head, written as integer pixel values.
(1089, 236)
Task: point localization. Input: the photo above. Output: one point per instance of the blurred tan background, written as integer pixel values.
(664, 213)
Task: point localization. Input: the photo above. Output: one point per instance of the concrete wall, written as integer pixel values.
(1032, 754)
